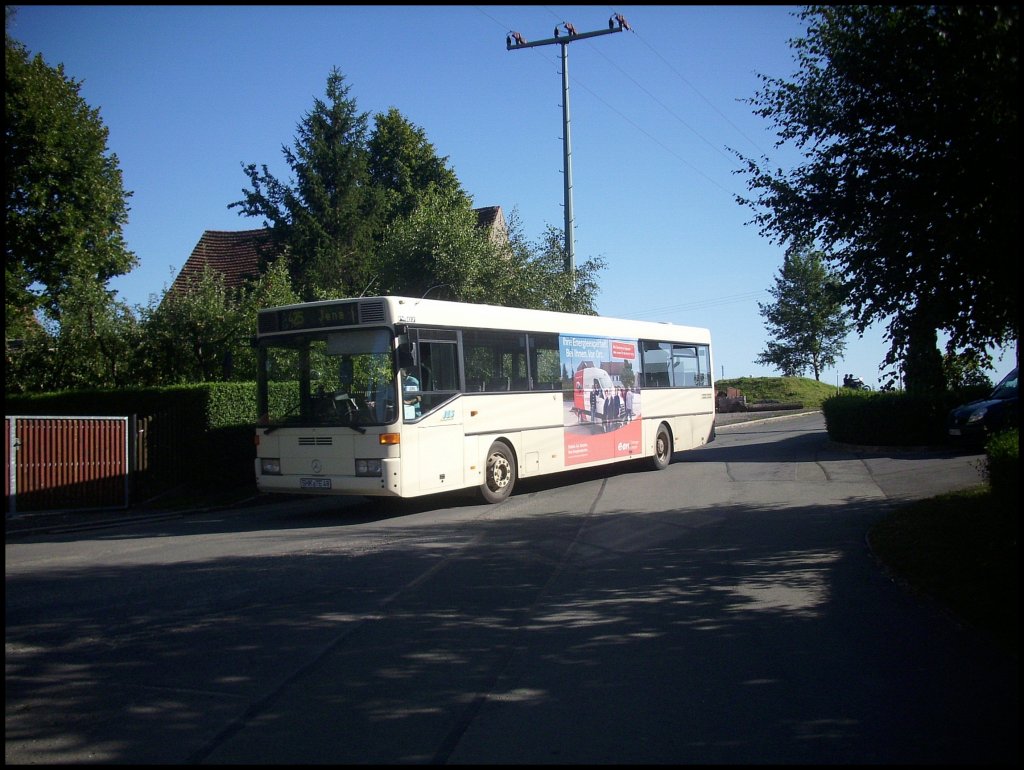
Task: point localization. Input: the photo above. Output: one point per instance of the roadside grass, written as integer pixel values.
(959, 549)
(806, 391)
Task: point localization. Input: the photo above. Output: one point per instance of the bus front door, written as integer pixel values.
(439, 448)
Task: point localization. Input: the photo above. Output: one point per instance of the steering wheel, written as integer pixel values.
(345, 404)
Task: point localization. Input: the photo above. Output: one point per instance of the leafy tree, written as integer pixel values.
(538, 278)
(192, 334)
(29, 361)
(906, 117)
(965, 371)
(404, 166)
(807, 319)
(271, 289)
(532, 274)
(95, 345)
(65, 201)
(437, 246)
(204, 333)
(327, 216)
(97, 341)
(385, 211)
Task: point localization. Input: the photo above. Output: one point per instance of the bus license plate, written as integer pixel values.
(315, 483)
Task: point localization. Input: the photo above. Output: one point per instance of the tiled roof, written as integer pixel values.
(235, 254)
(493, 219)
(487, 216)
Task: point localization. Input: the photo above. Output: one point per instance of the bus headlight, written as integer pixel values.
(270, 466)
(368, 467)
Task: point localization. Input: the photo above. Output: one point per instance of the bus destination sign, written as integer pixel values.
(317, 316)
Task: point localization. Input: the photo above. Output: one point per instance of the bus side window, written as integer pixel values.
(439, 373)
(544, 361)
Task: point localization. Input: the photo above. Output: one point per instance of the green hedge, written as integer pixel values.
(210, 424)
(120, 403)
(888, 419)
(205, 406)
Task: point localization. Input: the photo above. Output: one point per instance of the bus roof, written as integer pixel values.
(394, 310)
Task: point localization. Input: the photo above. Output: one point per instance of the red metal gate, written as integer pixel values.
(56, 463)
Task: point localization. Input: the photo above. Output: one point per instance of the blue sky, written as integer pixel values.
(190, 93)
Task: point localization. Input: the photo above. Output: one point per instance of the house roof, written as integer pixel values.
(233, 253)
(492, 219)
(236, 253)
(487, 216)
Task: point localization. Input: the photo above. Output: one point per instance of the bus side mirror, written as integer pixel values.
(406, 355)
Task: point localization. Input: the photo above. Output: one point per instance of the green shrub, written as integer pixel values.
(230, 403)
(1002, 467)
(887, 419)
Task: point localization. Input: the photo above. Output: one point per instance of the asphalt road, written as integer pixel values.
(725, 610)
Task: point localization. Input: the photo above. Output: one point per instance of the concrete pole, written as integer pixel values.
(570, 252)
(514, 42)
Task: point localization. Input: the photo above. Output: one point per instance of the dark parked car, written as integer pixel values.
(973, 423)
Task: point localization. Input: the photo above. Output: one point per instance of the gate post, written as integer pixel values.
(11, 453)
(129, 479)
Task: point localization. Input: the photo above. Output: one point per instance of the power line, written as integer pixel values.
(641, 129)
(701, 95)
(702, 304)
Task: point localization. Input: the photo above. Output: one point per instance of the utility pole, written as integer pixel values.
(513, 42)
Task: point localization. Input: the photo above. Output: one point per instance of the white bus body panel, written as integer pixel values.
(447, 448)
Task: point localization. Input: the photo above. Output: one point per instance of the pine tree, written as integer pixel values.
(807, 321)
(327, 218)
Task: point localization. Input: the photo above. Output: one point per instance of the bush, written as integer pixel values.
(887, 419)
(1002, 467)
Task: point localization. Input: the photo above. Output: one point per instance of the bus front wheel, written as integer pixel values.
(662, 448)
(499, 473)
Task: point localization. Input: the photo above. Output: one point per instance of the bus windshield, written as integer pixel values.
(331, 378)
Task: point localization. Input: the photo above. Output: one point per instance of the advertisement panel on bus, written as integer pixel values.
(603, 419)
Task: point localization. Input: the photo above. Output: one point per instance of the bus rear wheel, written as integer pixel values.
(662, 448)
(499, 473)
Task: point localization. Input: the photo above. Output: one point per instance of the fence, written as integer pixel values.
(66, 462)
(57, 463)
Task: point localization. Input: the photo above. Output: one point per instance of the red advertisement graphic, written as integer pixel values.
(602, 420)
(624, 350)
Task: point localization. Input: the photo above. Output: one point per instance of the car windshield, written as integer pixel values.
(1008, 387)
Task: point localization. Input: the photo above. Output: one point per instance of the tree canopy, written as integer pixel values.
(325, 217)
(807, 319)
(380, 210)
(906, 118)
(66, 203)
(404, 166)
(363, 209)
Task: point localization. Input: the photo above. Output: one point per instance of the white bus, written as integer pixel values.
(487, 395)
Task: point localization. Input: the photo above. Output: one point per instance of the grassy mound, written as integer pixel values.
(785, 390)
